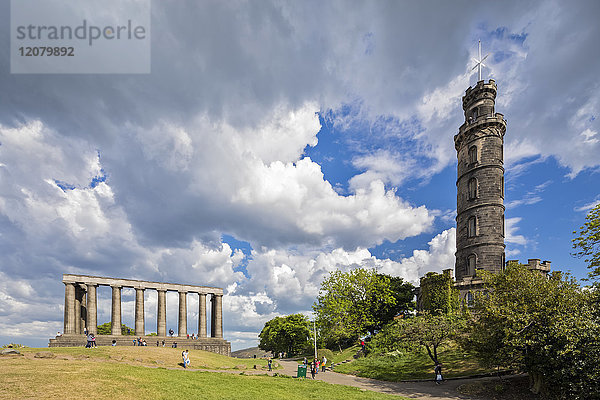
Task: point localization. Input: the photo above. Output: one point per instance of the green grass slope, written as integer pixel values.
(414, 364)
(71, 375)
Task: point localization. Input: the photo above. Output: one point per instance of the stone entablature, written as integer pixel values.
(136, 284)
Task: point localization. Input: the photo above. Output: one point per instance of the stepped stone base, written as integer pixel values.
(214, 345)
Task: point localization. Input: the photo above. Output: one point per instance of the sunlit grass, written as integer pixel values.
(414, 364)
(72, 376)
(155, 356)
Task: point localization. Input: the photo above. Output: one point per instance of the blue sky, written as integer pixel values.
(273, 143)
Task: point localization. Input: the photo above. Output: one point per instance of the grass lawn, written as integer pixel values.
(346, 354)
(155, 356)
(70, 375)
(414, 364)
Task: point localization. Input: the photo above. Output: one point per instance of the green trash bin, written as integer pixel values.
(301, 371)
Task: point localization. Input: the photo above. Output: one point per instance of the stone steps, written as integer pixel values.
(214, 345)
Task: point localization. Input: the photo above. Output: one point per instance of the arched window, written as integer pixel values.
(472, 227)
(475, 113)
(473, 154)
(471, 264)
(472, 188)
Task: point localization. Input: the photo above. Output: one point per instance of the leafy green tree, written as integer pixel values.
(383, 312)
(357, 302)
(429, 331)
(437, 294)
(588, 242)
(541, 325)
(106, 329)
(285, 334)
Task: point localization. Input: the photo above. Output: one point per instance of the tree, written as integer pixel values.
(106, 329)
(429, 331)
(588, 242)
(383, 312)
(360, 301)
(437, 293)
(541, 325)
(285, 334)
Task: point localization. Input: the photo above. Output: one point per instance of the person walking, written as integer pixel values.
(269, 364)
(323, 364)
(312, 370)
(93, 340)
(438, 373)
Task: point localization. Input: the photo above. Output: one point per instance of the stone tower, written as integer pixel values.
(480, 184)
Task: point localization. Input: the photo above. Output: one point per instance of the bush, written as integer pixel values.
(106, 329)
(325, 352)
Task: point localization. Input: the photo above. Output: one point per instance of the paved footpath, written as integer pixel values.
(416, 390)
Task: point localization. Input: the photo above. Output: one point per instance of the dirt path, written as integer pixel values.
(417, 390)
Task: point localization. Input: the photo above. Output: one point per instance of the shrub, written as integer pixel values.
(325, 352)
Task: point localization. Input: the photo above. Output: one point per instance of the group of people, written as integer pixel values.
(315, 365)
(140, 342)
(91, 341)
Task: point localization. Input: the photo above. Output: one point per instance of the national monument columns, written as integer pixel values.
(81, 312)
(116, 311)
(139, 312)
(182, 314)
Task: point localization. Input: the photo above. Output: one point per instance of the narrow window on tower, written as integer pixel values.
(473, 154)
(472, 227)
(471, 264)
(503, 226)
(469, 298)
(472, 188)
(502, 187)
(474, 114)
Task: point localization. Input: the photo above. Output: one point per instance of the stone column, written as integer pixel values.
(116, 311)
(213, 328)
(69, 319)
(202, 315)
(140, 328)
(182, 326)
(216, 330)
(219, 315)
(83, 312)
(77, 309)
(92, 309)
(161, 314)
